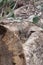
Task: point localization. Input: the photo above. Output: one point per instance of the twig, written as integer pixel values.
(15, 4)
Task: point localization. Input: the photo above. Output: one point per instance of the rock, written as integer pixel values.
(22, 42)
(10, 47)
(33, 48)
(23, 12)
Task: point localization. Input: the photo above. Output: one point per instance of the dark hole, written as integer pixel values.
(7, 12)
(28, 35)
(2, 30)
(21, 56)
(2, 14)
(2, 23)
(31, 32)
(18, 5)
(19, 32)
(14, 63)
